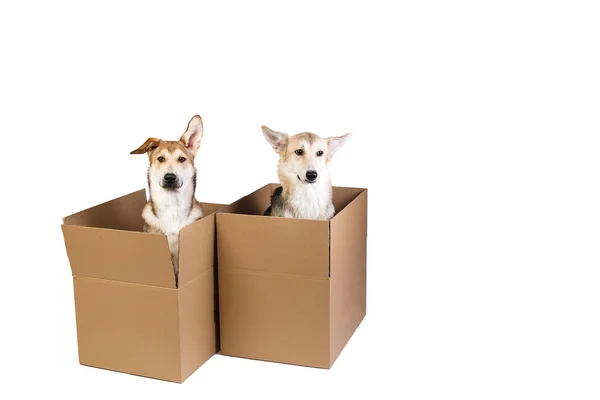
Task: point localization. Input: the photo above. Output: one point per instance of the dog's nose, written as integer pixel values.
(170, 177)
(311, 175)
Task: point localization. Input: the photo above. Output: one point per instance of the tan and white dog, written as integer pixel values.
(303, 171)
(172, 182)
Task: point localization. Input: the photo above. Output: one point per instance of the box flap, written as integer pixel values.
(342, 196)
(115, 255)
(256, 203)
(348, 272)
(211, 208)
(271, 244)
(197, 245)
(124, 213)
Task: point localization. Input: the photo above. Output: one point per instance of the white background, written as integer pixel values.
(476, 130)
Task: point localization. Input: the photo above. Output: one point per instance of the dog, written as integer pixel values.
(303, 170)
(172, 204)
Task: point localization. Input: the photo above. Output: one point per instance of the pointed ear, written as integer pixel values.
(278, 140)
(193, 135)
(148, 145)
(335, 142)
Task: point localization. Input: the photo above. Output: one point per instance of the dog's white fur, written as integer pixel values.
(311, 201)
(169, 209)
(168, 205)
(169, 217)
(301, 198)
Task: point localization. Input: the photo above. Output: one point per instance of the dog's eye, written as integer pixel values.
(319, 153)
(299, 152)
(181, 159)
(161, 159)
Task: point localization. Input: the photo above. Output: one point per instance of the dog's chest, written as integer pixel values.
(311, 202)
(171, 219)
(172, 214)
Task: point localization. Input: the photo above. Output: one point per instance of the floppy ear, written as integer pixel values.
(278, 140)
(193, 134)
(335, 142)
(148, 145)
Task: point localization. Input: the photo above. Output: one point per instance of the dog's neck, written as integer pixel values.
(308, 200)
(172, 204)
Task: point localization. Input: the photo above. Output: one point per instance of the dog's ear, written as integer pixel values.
(193, 135)
(278, 140)
(148, 145)
(335, 142)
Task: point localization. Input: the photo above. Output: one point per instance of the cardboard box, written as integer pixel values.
(291, 290)
(130, 315)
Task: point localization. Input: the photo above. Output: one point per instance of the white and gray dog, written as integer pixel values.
(303, 170)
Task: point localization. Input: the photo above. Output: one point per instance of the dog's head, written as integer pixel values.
(304, 156)
(172, 162)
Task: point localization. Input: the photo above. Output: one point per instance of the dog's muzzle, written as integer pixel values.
(170, 181)
(311, 176)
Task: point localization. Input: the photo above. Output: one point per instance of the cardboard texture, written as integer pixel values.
(131, 316)
(291, 290)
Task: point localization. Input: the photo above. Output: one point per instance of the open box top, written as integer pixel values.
(263, 242)
(107, 242)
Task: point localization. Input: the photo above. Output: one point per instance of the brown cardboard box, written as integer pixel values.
(130, 315)
(291, 290)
